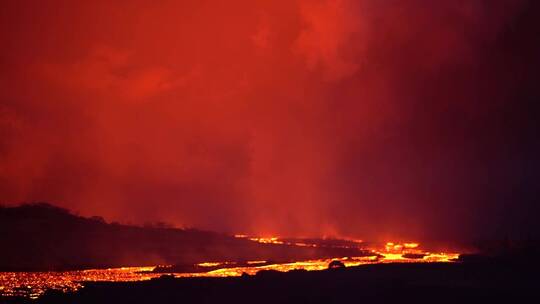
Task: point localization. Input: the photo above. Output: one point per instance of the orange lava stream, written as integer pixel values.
(322, 264)
(34, 284)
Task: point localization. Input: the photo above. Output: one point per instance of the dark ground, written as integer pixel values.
(66, 241)
(478, 281)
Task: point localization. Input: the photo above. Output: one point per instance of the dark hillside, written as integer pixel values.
(45, 237)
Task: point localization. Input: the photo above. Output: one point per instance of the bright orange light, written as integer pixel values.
(267, 240)
(209, 264)
(256, 262)
(410, 245)
(38, 282)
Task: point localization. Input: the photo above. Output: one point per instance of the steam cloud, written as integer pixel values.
(351, 118)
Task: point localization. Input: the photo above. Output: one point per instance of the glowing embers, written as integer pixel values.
(267, 240)
(210, 264)
(34, 284)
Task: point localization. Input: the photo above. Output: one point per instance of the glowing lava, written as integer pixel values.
(33, 284)
(392, 252)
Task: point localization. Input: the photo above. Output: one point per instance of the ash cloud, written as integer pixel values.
(369, 119)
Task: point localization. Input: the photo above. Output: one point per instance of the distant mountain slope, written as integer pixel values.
(45, 237)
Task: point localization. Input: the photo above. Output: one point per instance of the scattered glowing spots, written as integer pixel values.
(256, 262)
(209, 264)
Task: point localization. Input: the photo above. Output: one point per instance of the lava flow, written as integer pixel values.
(391, 252)
(34, 284)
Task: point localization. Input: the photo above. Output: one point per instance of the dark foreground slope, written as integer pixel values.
(477, 282)
(44, 237)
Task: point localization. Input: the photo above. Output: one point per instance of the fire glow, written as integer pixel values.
(34, 284)
(392, 252)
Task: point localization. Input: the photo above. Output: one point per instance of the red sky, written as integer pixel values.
(346, 118)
